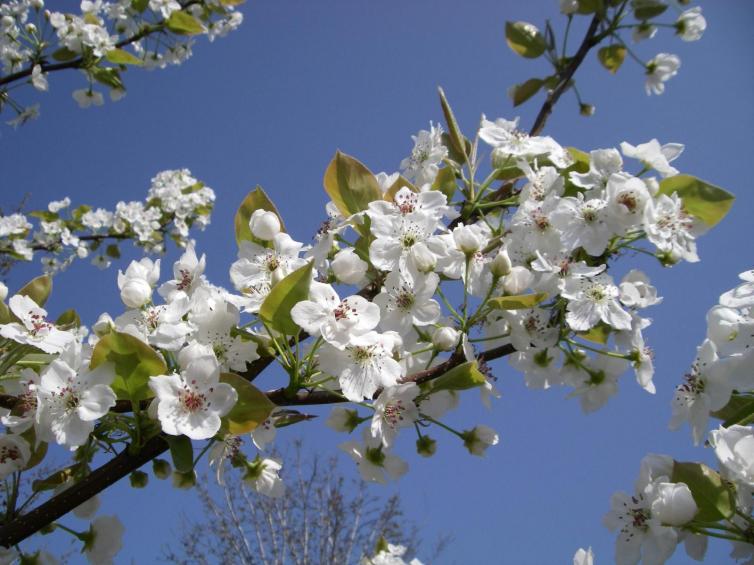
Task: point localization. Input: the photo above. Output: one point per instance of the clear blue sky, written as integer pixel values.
(272, 102)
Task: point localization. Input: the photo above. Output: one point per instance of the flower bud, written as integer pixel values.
(519, 279)
(467, 239)
(568, 7)
(348, 267)
(501, 264)
(139, 479)
(3, 292)
(184, 480)
(424, 260)
(426, 446)
(343, 420)
(674, 504)
(103, 325)
(264, 225)
(135, 293)
(161, 468)
(586, 110)
(445, 338)
(37, 4)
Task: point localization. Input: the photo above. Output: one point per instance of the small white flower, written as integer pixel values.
(662, 68)
(104, 540)
(86, 97)
(479, 438)
(374, 464)
(34, 328)
(583, 557)
(734, 448)
(262, 476)
(594, 299)
(691, 24)
(14, 454)
(394, 409)
(137, 282)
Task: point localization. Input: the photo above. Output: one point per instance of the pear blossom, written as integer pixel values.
(402, 240)
(594, 299)
(14, 454)
(187, 275)
(70, 399)
(86, 97)
(348, 267)
(671, 228)
(734, 449)
(743, 295)
(362, 366)
(22, 417)
(262, 476)
(406, 300)
(394, 409)
(336, 320)
(137, 282)
(511, 144)
(34, 328)
(432, 204)
(104, 540)
(627, 196)
(162, 326)
(374, 463)
(660, 69)
(583, 557)
(603, 163)
(428, 152)
(343, 420)
(193, 401)
(583, 223)
(636, 292)
(673, 503)
(691, 24)
(479, 438)
(264, 225)
(540, 366)
(705, 390)
(594, 380)
(445, 338)
(655, 156)
(214, 331)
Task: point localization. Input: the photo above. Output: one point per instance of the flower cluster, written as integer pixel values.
(35, 41)
(175, 202)
(724, 366)
(438, 289)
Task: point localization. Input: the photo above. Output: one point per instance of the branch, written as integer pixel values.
(589, 41)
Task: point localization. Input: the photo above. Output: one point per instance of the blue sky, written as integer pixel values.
(272, 102)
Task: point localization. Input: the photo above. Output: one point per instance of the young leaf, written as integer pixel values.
(257, 199)
(182, 453)
(457, 141)
(738, 411)
(648, 9)
(184, 23)
(703, 200)
(715, 500)
(460, 377)
(525, 39)
(612, 57)
(520, 93)
(68, 320)
(518, 302)
(396, 186)
(38, 289)
(253, 406)
(121, 57)
(134, 362)
(276, 308)
(64, 54)
(445, 182)
(350, 184)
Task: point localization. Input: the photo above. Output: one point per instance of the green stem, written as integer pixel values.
(443, 426)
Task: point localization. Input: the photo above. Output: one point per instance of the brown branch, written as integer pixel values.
(590, 40)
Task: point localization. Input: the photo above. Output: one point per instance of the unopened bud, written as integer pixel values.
(135, 293)
(348, 267)
(139, 479)
(426, 446)
(424, 260)
(184, 480)
(161, 468)
(445, 338)
(3, 292)
(501, 264)
(519, 279)
(103, 325)
(264, 225)
(586, 109)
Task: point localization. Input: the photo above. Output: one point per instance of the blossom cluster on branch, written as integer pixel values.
(35, 41)
(175, 203)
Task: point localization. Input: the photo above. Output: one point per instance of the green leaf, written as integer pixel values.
(134, 362)
(182, 453)
(38, 452)
(109, 77)
(184, 23)
(598, 334)
(232, 2)
(520, 93)
(518, 302)
(591, 6)
(113, 251)
(350, 185)
(739, 410)
(5, 314)
(612, 57)
(253, 406)
(648, 9)
(276, 308)
(445, 182)
(460, 377)
(713, 497)
(457, 140)
(56, 479)
(38, 289)
(64, 54)
(257, 199)
(703, 200)
(139, 5)
(121, 57)
(68, 320)
(525, 39)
